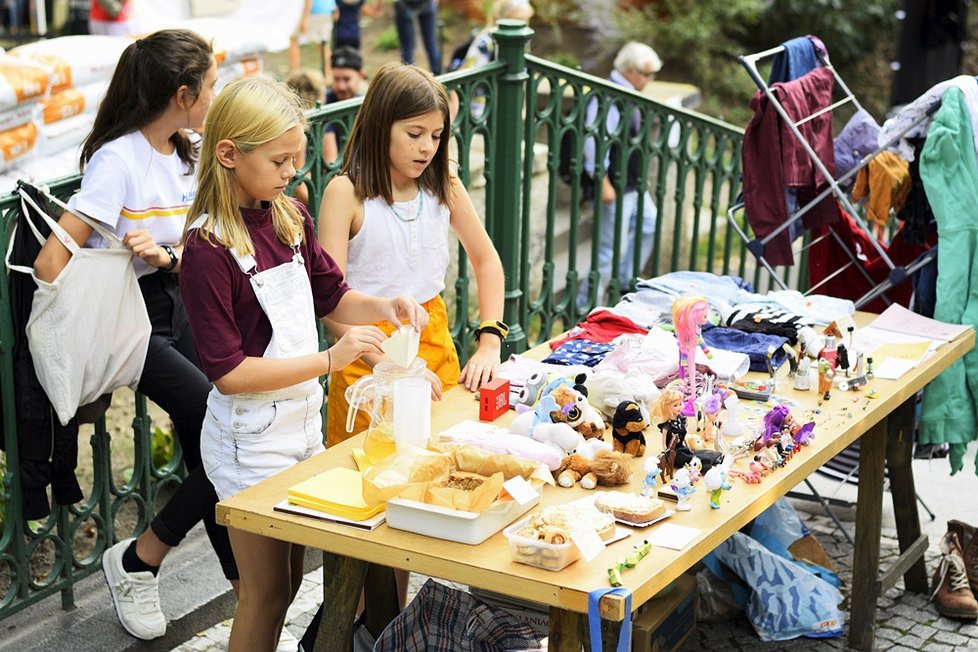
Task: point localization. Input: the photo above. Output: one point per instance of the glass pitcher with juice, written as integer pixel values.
(375, 395)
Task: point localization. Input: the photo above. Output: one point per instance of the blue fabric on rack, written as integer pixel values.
(925, 289)
(797, 58)
(576, 352)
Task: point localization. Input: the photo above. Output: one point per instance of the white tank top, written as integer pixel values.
(400, 249)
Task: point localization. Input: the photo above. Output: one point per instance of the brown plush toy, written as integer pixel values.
(629, 424)
(573, 468)
(607, 469)
(611, 468)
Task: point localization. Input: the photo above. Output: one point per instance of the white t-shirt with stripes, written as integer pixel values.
(128, 185)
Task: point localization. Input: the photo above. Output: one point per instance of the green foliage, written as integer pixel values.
(387, 40)
(161, 445)
(698, 41)
(850, 30)
(566, 59)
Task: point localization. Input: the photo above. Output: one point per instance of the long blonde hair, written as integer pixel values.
(249, 112)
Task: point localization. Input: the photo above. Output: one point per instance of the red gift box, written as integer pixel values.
(493, 399)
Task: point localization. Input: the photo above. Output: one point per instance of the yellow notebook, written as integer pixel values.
(338, 491)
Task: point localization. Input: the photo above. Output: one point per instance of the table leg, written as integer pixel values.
(866, 554)
(343, 580)
(566, 630)
(899, 457)
(379, 598)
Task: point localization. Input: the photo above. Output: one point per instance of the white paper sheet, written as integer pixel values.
(893, 368)
(672, 536)
(898, 319)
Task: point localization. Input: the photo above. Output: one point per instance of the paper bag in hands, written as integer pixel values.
(477, 460)
(403, 469)
(476, 500)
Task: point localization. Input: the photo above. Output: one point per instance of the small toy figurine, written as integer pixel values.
(688, 316)
(650, 485)
(843, 358)
(732, 425)
(803, 379)
(779, 420)
(716, 483)
(695, 467)
(869, 368)
(711, 416)
(825, 375)
(683, 488)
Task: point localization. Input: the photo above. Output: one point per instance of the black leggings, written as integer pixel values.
(172, 380)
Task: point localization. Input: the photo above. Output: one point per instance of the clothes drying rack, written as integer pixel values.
(844, 468)
(897, 274)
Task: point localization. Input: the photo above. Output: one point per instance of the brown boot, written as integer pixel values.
(969, 547)
(952, 596)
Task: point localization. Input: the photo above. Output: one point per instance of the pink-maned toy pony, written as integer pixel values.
(688, 316)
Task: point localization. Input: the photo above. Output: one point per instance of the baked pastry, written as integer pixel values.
(629, 507)
(568, 516)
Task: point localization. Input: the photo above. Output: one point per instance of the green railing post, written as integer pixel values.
(505, 226)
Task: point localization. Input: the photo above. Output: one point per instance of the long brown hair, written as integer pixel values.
(397, 92)
(149, 72)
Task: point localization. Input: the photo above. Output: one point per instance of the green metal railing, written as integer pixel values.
(506, 139)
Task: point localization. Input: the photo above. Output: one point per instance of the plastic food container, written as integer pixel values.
(451, 524)
(532, 552)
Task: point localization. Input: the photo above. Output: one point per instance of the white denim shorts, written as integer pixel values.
(247, 438)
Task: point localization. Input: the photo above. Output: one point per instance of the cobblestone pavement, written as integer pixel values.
(905, 622)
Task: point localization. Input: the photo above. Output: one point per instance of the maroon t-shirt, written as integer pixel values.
(227, 321)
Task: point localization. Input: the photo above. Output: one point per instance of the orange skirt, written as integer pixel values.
(437, 349)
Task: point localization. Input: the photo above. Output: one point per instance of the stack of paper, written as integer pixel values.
(337, 491)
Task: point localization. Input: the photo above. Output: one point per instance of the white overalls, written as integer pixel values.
(247, 438)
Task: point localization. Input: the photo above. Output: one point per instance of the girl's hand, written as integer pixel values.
(356, 342)
(436, 388)
(405, 309)
(144, 246)
(480, 368)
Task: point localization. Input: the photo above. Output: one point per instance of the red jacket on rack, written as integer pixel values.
(773, 159)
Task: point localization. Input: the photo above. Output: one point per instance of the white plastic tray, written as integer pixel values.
(451, 524)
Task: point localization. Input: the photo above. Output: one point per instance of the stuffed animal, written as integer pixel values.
(608, 468)
(577, 466)
(561, 417)
(629, 424)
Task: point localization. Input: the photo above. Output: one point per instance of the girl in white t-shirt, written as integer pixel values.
(139, 163)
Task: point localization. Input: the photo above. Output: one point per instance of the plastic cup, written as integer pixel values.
(412, 412)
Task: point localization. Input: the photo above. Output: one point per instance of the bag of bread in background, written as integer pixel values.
(473, 459)
(466, 492)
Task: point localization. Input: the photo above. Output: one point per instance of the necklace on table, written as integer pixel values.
(417, 213)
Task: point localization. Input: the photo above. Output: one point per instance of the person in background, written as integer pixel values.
(309, 85)
(426, 11)
(255, 281)
(316, 24)
(348, 80)
(346, 19)
(110, 18)
(139, 179)
(635, 66)
(483, 47)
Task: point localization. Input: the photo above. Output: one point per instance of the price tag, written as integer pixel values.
(521, 490)
(587, 541)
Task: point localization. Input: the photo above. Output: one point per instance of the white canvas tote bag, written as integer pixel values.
(88, 330)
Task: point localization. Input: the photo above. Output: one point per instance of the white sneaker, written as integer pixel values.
(136, 596)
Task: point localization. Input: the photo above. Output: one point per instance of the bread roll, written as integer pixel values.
(629, 507)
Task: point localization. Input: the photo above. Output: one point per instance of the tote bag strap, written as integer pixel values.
(115, 242)
(62, 235)
(594, 618)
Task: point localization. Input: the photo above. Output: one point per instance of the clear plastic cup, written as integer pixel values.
(412, 412)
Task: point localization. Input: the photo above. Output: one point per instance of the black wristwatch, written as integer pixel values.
(173, 259)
